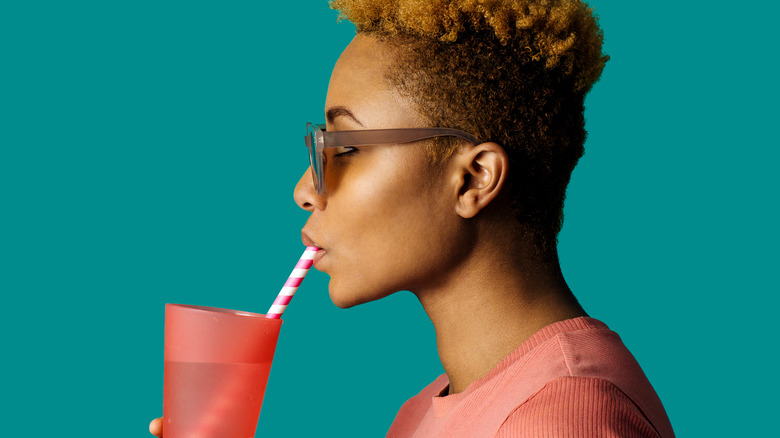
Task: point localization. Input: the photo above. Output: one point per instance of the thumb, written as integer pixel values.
(155, 427)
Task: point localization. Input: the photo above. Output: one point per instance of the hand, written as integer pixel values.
(155, 427)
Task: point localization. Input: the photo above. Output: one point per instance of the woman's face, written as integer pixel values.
(385, 221)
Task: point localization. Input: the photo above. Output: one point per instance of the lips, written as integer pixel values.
(308, 242)
(315, 261)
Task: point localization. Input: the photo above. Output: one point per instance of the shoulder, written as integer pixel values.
(414, 410)
(577, 407)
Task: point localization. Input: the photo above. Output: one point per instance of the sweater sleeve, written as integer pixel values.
(577, 407)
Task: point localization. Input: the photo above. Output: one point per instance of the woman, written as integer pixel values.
(466, 217)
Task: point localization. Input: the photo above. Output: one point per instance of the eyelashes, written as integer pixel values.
(344, 150)
(340, 154)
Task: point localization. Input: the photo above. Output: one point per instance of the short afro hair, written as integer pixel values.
(514, 72)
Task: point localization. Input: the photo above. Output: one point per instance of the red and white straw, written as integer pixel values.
(292, 283)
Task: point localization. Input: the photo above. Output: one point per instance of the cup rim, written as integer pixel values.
(218, 310)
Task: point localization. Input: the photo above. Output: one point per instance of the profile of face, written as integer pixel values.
(385, 220)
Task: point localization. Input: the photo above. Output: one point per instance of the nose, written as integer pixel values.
(305, 194)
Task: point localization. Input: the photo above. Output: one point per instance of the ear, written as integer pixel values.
(479, 174)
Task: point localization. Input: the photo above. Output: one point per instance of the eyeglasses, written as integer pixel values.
(317, 139)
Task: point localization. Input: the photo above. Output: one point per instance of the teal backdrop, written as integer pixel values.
(148, 154)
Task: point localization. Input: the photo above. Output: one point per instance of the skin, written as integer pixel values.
(389, 221)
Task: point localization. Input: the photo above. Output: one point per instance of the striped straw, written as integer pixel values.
(292, 283)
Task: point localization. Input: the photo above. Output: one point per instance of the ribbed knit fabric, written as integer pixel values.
(573, 378)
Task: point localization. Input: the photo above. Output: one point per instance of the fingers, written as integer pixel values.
(155, 427)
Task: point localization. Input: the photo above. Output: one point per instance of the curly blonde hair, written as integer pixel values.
(514, 72)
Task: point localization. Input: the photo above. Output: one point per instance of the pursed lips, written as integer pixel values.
(308, 242)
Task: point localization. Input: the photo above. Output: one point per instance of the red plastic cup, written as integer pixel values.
(216, 368)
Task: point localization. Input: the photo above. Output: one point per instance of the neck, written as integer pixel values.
(486, 310)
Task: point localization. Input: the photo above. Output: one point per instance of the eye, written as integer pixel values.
(343, 150)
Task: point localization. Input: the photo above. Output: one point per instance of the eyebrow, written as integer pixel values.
(337, 111)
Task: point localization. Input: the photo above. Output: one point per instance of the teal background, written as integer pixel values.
(148, 153)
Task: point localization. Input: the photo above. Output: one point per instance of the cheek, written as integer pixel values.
(392, 228)
(376, 200)
(389, 194)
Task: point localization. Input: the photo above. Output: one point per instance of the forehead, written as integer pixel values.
(359, 84)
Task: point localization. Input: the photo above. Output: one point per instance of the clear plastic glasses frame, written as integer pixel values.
(317, 139)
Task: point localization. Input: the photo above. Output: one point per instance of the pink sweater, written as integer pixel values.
(573, 378)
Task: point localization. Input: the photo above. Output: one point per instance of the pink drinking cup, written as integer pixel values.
(216, 368)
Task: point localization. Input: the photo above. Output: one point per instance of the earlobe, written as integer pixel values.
(481, 172)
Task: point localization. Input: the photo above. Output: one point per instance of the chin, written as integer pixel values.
(346, 297)
(343, 303)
